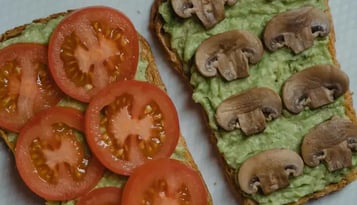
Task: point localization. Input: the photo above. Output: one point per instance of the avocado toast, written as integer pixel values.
(147, 71)
(180, 38)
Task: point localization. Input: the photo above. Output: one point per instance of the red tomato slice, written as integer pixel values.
(52, 159)
(130, 122)
(164, 181)
(101, 196)
(26, 86)
(91, 48)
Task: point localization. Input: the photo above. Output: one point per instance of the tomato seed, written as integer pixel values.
(124, 41)
(96, 26)
(88, 86)
(120, 152)
(35, 156)
(148, 109)
(115, 35)
(142, 145)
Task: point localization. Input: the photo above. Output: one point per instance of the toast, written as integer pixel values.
(151, 75)
(182, 61)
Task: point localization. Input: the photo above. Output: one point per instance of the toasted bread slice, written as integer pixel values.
(157, 24)
(152, 75)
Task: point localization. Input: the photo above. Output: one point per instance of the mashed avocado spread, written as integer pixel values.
(40, 33)
(274, 68)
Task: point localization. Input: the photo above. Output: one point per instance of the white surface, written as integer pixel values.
(13, 13)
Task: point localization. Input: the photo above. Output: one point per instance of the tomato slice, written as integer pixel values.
(51, 157)
(26, 86)
(130, 122)
(90, 48)
(101, 196)
(164, 181)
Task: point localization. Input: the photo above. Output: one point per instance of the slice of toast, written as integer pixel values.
(152, 75)
(177, 59)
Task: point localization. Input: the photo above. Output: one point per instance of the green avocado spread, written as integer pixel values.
(40, 33)
(274, 68)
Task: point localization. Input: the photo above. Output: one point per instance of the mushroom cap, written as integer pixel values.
(249, 110)
(330, 141)
(314, 87)
(230, 53)
(296, 29)
(269, 170)
(209, 12)
(183, 8)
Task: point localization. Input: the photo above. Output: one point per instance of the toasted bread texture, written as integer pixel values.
(152, 75)
(157, 24)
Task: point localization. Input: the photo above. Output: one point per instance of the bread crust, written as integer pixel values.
(152, 75)
(156, 26)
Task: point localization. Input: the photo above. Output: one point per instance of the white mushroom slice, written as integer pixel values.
(296, 29)
(249, 110)
(183, 8)
(230, 53)
(209, 12)
(333, 142)
(314, 87)
(269, 171)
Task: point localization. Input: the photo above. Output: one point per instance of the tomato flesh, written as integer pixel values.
(170, 182)
(130, 122)
(101, 196)
(63, 150)
(90, 48)
(26, 86)
(148, 128)
(51, 157)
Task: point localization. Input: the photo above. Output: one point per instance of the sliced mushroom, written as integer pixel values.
(314, 87)
(209, 12)
(249, 110)
(331, 141)
(230, 53)
(269, 171)
(296, 29)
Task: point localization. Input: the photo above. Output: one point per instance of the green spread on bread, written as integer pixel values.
(273, 69)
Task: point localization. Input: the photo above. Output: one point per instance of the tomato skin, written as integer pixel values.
(169, 182)
(49, 155)
(85, 46)
(26, 86)
(101, 196)
(138, 95)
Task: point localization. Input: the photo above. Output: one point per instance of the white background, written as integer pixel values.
(13, 13)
